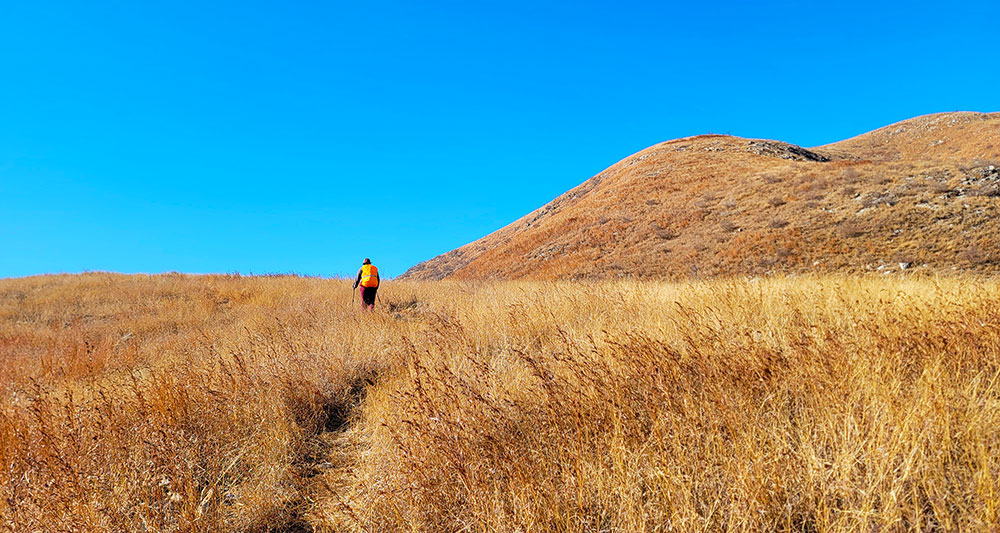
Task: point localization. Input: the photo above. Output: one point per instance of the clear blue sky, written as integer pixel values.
(303, 136)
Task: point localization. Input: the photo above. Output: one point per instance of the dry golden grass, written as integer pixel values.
(172, 403)
(795, 404)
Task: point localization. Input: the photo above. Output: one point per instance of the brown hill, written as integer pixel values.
(921, 195)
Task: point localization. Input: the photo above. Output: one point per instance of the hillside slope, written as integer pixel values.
(922, 194)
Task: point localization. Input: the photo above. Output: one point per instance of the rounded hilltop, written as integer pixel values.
(919, 195)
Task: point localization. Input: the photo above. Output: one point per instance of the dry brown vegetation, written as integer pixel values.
(713, 205)
(217, 403)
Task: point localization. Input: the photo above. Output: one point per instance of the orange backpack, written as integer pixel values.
(369, 276)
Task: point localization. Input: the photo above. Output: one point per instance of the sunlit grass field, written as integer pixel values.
(226, 403)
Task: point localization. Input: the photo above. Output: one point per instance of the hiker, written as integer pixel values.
(368, 279)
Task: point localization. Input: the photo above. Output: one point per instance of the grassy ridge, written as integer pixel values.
(920, 195)
(221, 403)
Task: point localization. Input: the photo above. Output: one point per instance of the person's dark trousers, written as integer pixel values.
(368, 297)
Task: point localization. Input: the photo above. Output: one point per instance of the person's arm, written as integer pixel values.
(357, 280)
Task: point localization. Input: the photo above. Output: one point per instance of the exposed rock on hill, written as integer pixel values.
(924, 192)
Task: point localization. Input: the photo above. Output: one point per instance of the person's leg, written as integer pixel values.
(368, 298)
(361, 292)
(374, 294)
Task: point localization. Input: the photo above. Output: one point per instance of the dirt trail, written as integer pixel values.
(321, 471)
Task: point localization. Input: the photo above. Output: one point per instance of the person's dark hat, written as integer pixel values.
(366, 261)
